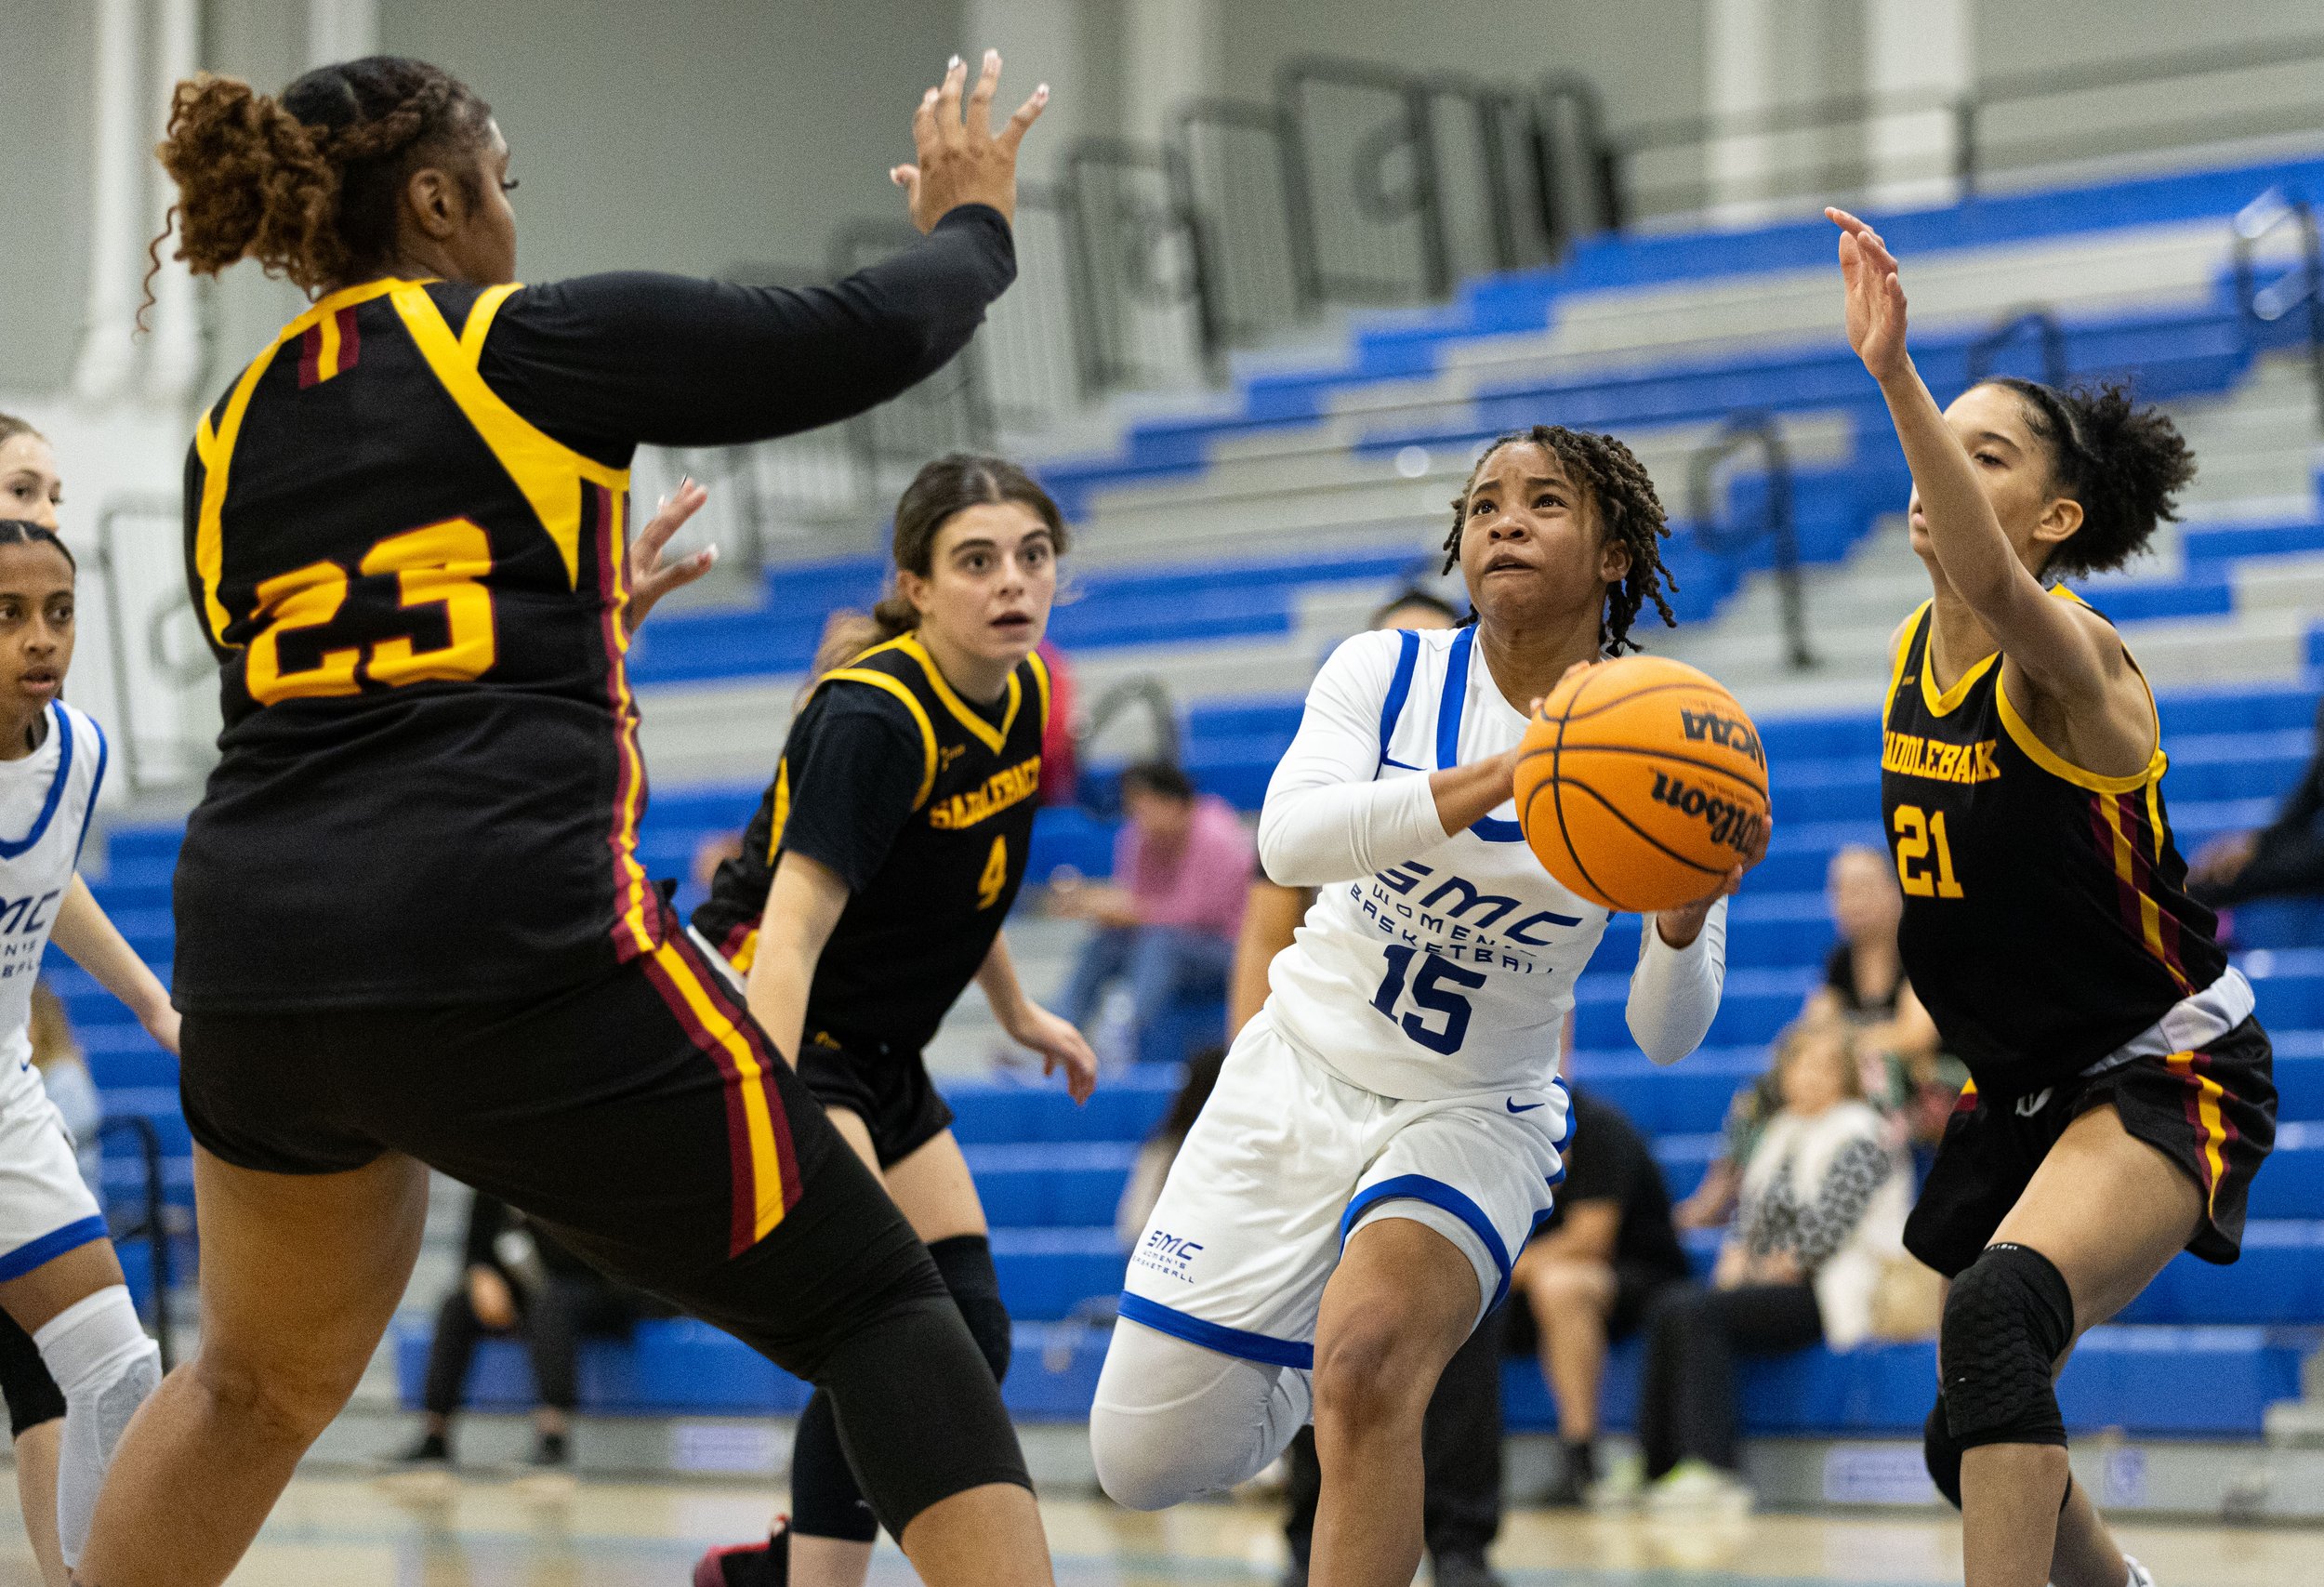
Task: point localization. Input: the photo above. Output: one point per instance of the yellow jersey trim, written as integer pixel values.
(2210, 1124)
(766, 1157)
(911, 702)
(541, 467)
(992, 737)
(1041, 683)
(1947, 701)
(1903, 658)
(209, 531)
(2050, 761)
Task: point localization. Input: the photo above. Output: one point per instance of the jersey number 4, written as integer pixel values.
(994, 880)
(1916, 834)
(442, 564)
(1429, 992)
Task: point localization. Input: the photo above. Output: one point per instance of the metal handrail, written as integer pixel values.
(1581, 99)
(153, 1226)
(1426, 199)
(1179, 213)
(1755, 428)
(1276, 123)
(117, 625)
(2256, 305)
(1144, 689)
(2055, 364)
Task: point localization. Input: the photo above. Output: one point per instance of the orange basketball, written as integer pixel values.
(1640, 783)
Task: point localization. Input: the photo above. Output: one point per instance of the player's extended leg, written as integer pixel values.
(300, 1274)
(2101, 1216)
(832, 1530)
(1402, 1302)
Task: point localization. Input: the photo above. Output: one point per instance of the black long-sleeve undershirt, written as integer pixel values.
(605, 363)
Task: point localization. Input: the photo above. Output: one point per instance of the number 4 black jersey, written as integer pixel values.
(923, 803)
(2046, 923)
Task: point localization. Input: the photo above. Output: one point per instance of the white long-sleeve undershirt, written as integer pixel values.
(1674, 992)
(1326, 820)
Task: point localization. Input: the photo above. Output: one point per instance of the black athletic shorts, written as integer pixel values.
(890, 1091)
(643, 1117)
(2212, 1113)
(31, 1394)
(1635, 1286)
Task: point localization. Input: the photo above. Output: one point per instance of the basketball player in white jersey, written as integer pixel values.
(1385, 1135)
(60, 1280)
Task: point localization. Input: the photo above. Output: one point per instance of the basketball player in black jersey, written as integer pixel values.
(871, 890)
(412, 926)
(2120, 1094)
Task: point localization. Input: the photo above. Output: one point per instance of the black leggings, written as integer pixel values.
(551, 1321)
(1461, 1457)
(1687, 1402)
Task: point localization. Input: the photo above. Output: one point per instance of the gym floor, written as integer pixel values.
(475, 1533)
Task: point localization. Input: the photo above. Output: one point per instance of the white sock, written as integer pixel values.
(97, 1352)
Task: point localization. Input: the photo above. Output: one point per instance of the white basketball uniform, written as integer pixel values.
(1405, 1062)
(45, 798)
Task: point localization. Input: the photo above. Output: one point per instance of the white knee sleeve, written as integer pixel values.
(99, 1353)
(1172, 1419)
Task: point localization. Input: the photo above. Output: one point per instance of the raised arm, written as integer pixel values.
(1326, 819)
(97, 946)
(627, 357)
(2063, 653)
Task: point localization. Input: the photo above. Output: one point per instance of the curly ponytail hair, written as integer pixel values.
(2123, 463)
(307, 184)
(1628, 507)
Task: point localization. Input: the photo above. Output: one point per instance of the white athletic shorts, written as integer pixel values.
(1288, 1159)
(46, 1208)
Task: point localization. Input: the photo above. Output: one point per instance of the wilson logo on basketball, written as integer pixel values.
(1731, 824)
(1727, 733)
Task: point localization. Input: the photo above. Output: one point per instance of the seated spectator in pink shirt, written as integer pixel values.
(1182, 862)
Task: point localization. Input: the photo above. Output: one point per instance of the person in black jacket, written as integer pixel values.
(2284, 858)
(517, 1279)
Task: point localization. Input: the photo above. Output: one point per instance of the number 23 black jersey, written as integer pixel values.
(923, 805)
(2046, 922)
(429, 781)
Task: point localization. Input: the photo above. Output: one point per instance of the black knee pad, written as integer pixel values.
(966, 1262)
(2009, 1317)
(1940, 1454)
(919, 1414)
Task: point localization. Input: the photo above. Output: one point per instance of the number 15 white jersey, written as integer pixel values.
(1434, 966)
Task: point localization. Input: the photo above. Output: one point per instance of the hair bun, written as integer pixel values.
(2130, 464)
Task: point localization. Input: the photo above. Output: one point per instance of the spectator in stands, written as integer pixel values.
(1168, 920)
(1905, 1074)
(520, 1281)
(2284, 858)
(1590, 1273)
(1823, 1205)
(64, 1072)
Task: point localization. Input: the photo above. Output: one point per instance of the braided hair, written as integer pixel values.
(2124, 463)
(309, 184)
(1628, 507)
(19, 532)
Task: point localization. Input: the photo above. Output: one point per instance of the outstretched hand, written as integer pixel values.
(1681, 926)
(1875, 298)
(960, 158)
(650, 578)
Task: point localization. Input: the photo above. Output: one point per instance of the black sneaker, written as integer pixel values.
(551, 1452)
(432, 1450)
(750, 1565)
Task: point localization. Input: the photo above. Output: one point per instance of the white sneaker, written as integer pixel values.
(1696, 1487)
(2140, 1575)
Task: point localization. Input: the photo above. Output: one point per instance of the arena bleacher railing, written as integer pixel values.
(1754, 430)
(2260, 306)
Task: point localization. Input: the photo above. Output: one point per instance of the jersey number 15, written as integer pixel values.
(441, 564)
(1430, 992)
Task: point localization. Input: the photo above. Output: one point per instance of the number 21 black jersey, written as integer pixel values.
(2046, 920)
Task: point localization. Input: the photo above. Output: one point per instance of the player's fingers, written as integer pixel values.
(948, 99)
(1021, 122)
(925, 137)
(978, 118)
(669, 516)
